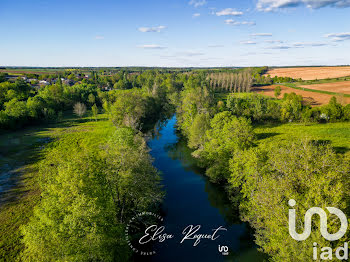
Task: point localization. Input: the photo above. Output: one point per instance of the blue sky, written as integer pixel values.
(174, 32)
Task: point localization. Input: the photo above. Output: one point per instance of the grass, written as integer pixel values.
(315, 90)
(20, 152)
(338, 134)
(323, 81)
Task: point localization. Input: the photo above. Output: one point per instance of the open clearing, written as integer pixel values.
(337, 134)
(311, 73)
(337, 87)
(313, 98)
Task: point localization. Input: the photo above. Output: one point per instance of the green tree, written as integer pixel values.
(16, 109)
(128, 109)
(91, 99)
(227, 134)
(94, 111)
(291, 107)
(270, 175)
(277, 91)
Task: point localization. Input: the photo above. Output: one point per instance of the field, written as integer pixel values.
(20, 152)
(338, 134)
(38, 71)
(338, 87)
(312, 98)
(310, 73)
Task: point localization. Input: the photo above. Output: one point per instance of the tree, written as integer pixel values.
(16, 109)
(270, 175)
(291, 107)
(128, 109)
(79, 109)
(347, 112)
(197, 131)
(94, 110)
(91, 99)
(333, 110)
(226, 135)
(277, 91)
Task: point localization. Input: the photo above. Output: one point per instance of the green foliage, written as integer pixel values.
(291, 107)
(197, 131)
(194, 100)
(254, 106)
(16, 109)
(128, 109)
(94, 110)
(333, 111)
(277, 91)
(3, 77)
(92, 183)
(227, 134)
(270, 175)
(347, 112)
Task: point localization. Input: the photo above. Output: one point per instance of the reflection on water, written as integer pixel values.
(191, 199)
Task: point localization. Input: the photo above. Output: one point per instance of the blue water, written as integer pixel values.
(192, 200)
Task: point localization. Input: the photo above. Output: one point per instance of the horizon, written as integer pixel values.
(175, 34)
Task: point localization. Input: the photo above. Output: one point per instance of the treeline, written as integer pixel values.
(290, 108)
(242, 80)
(21, 104)
(231, 82)
(266, 175)
(92, 184)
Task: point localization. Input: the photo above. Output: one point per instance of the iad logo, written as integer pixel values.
(223, 250)
(323, 222)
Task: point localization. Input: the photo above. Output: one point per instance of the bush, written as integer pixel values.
(346, 112)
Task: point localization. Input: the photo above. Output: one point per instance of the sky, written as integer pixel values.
(174, 33)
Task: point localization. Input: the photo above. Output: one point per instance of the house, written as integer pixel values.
(44, 82)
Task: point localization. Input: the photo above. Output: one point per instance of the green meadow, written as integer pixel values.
(20, 153)
(338, 134)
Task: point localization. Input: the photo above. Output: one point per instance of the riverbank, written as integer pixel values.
(20, 152)
(191, 199)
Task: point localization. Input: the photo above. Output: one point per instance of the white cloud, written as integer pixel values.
(298, 45)
(190, 53)
(99, 37)
(261, 34)
(156, 29)
(273, 41)
(152, 46)
(215, 46)
(272, 5)
(338, 37)
(307, 44)
(197, 3)
(229, 11)
(248, 43)
(233, 22)
(196, 15)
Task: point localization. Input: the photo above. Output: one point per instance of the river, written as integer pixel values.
(191, 199)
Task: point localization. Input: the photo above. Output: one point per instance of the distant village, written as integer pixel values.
(41, 80)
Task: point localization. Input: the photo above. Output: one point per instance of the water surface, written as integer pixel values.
(192, 200)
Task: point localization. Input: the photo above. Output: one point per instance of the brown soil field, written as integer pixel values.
(312, 98)
(311, 73)
(338, 87)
